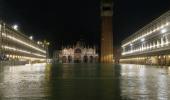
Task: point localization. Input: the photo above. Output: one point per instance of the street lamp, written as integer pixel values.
(15, 27)
(46, 44)
(38, 42)
(163, 31)
(31, 37)
(143, 39)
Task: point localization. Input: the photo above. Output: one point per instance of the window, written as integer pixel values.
(78, 50)
(106, 8)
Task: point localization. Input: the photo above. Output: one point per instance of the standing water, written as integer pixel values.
(84, 82)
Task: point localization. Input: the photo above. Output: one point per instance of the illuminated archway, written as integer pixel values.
(85, 59)
(69, 59)
(64, 59)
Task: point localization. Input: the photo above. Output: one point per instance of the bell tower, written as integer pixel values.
(106, 31)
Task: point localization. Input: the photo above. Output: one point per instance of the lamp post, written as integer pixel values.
(0, 41)
(31, 37)
(46, 45)
(15, 27)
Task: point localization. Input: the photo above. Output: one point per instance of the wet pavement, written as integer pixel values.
(84, 82)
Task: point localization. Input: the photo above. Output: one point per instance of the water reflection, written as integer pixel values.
(23, 82)
(144, 82)
(84, 82)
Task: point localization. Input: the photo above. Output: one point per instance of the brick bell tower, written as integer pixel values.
(106, 31)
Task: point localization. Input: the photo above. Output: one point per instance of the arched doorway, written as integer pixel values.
(77, 55)
(91, 59)
(85, 59)
(78, 50)
(69, 59)
(64, 59)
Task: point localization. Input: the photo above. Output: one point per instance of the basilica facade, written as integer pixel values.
(77, 54)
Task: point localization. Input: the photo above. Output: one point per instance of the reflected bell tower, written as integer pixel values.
(106, 31)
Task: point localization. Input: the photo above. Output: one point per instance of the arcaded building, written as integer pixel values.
(16, 46)
(149, 45)
(77, 54)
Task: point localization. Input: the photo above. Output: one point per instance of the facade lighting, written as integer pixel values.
(28, 49)
(22, 51)
(146, 34)
(38, 42)
(143, 39)
(22, 42)
(163, 30)
(146, 47)
(31, 37)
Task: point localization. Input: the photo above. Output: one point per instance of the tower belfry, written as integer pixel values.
(106, 31)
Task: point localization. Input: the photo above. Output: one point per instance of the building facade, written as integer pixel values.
(149, 45)
(15, 46)
(106, 31)
(77, 54)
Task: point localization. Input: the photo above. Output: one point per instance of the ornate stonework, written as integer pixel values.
(78, 54)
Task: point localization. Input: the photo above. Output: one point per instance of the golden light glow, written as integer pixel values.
(146, 34)
(22, 42)
(146, 47)
(22, 51)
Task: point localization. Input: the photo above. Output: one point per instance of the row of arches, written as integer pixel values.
(155, 44)
(84, 59)
(163, 60)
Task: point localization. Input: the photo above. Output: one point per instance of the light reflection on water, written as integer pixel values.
(23, 81)
(144, 82)
(85, 82)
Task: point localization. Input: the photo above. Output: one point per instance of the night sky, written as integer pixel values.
(63, 22)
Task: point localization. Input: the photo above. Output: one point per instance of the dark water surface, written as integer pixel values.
(84, 82)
